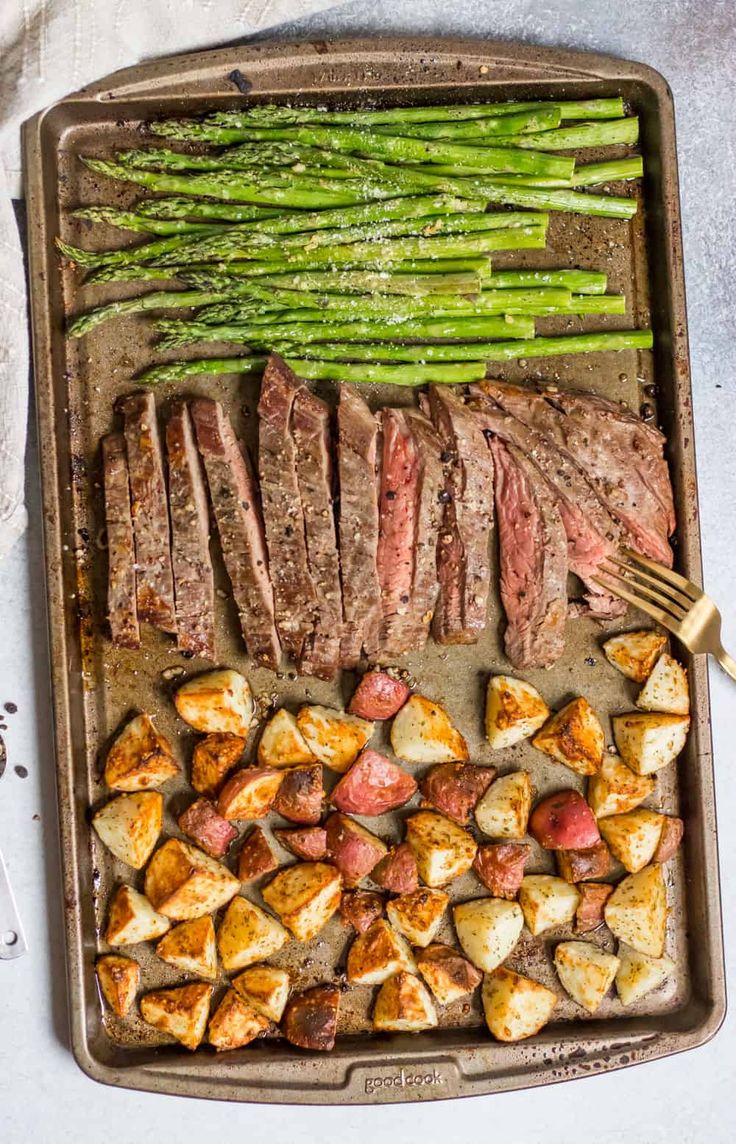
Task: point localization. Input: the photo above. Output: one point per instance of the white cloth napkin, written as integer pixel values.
(49, 48)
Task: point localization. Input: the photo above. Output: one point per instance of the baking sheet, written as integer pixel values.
(95, 685)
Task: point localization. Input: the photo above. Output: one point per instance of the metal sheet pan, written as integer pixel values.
(95, 685)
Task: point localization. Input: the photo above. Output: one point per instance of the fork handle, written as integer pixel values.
(727, 662)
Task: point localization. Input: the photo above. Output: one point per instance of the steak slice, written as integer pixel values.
(621, 456)
(311, 430)
(425, 585)
(122, 610)
(357, 436)
(153, 575)
(533, 560)
(234, 495)
(194, 581)
(463, 552)
(397, 507)
(293, 590)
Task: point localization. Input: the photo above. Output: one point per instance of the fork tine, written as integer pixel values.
(674, 578)
(664, 586)
(649, 593)
(664, 618)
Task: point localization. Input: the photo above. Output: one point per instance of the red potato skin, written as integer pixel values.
(310, 843)
(256, 856)
(360, 909)
(207, 828)
(593, 897)
(669, 839)
(397, 872)
(300, 795)
(564, 821)
(310, 1018)
(353, 854)
(583, 865)
(378, 696)
(456, 788)
(500, 867)
(373, 785)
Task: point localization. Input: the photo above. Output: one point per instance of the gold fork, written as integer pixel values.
(674, 602)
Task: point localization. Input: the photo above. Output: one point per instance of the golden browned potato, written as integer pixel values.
(448, 974)
(666, 688)
(586, 972)
(503, 812)
(282, 743)
(636, 912)
(514, 711)
(183, 882)
(616, 789)
(234, 1023)
(574, 736)
(139, 758)
(639, 974)
(181, 1012)
(547, 902)
(119, 978)
(515, 1007)
(403, 1005)
(423, 732)
(443, 850)
(132, 918)
(305, 896)
(191, 947)
(488, 929)
(635, 653)
(334, 737)
(249, 793)
(265, 988)
(633, 838)
(212, 758)
(418, 915)
(377, 954)
(217, 701)
(649, 741)
(130, 824)
(248, 934)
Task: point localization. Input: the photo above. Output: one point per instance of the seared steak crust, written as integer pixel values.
(121, 594)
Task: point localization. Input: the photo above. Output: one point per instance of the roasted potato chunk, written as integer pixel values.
(403, 1005)
(515, 1007)
(377, 954)
(354, 850)
(181, 1012)
(397, 872)
(248, 934)
(636, 912)
(360, 909)
(669, 839)
(256, 857)
(574, 736)
(183, 882)
(418, 915)
(448, 974)
(309, 843)
(616, 789)
(666, 688)
(119, 978)
(455, 788)
(249, 794)
(265, 988)
(129, 826)
(564, 821)
(503, 812)
(305, 896)
(207, 828)
(310, 1020)
(139, 758)
(514, 711)
(132, 918)
(500, 867)
(423, 732)
(633, 838)
(593, 897)
(581, 865)
(191, 947)
(443, 850)
(333, 737)
(649, 741)
(217, 701)
(373, 785)
(282, 743)
(586, 972)
(547, 902)
(378, 696)
(299, 798)
(212, 759)
(639, 974)
(635, 653)
(234, 1023)
(488, 930)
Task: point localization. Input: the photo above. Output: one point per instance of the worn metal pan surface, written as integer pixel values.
(96, 685)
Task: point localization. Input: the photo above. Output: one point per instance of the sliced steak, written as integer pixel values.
(153, 575)
(234, 495)
(425, 585)
(357, 435)
(533, 560)
(397, 507)
(621, 456)
(311, 430)
(122, 610)
(194, 581)
(463, 552)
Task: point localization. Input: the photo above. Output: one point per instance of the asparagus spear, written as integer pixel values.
(493, 126)
(613, 170)
(457, 374)
(130, 220)
(181, 370)
(376, 282)
(158, 300)
(601, 133)
(579, 281)
(173, 207)
(278, 222)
